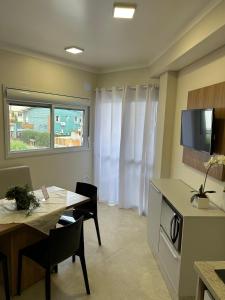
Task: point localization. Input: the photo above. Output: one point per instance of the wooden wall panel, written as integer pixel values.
(209, 97)
(10, 244)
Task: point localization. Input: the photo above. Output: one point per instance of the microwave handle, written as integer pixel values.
(168, 245)
(174, 228)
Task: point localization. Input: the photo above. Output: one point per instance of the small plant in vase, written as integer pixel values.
(24, 197)
(201, 196)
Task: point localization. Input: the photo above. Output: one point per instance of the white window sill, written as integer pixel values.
(12, 155)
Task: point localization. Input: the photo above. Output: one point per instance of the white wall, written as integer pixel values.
(26, 72)
(207, 71)
(121, 78)
(165, 124)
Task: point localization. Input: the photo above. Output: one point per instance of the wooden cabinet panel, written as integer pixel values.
(10, 244)
(212, 96)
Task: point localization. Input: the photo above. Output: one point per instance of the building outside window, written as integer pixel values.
(68, 132)
(29, 127)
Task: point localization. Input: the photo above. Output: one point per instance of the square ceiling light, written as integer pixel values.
(74, 50)
(124, 10)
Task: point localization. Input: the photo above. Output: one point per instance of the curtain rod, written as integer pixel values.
(131, 87)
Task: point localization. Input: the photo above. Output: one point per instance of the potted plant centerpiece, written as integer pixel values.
(200, 197)
(24, 197)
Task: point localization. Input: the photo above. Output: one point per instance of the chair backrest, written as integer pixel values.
(10, 177)
(90, 191)
(64, 241)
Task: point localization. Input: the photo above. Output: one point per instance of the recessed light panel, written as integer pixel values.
(124, 10)
(74, 50)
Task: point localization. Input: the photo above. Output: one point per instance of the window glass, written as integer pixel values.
(29, 127)
(68, 127)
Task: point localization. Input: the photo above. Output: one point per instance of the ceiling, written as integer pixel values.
(46, 27)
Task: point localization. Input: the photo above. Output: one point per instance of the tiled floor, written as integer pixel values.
(123, 268)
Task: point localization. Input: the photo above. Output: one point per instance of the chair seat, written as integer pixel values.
(70, 216)
(77, 213)
(64, 220)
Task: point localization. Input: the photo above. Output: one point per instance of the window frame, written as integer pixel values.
(51, 150)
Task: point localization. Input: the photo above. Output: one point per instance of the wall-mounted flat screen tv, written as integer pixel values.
(197, 129)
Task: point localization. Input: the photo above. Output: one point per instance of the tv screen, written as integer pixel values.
(197, 129)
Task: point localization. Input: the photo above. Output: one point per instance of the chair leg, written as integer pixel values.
(6, 278)
(48, 284)
(74, 258)
(19, 275)
(97, 230)
(84, 269)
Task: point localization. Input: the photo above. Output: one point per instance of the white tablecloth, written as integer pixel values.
(42, 218)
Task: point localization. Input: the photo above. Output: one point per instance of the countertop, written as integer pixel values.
(179, 194)
(206, 271)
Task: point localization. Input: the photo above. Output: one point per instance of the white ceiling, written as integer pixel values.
(46, 27)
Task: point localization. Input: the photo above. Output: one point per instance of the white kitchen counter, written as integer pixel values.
(208, 279)
(179, 195)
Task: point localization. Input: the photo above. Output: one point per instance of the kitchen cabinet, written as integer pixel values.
(202, 236)
(169, 259)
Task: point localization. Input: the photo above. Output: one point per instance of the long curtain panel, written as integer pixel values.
(108, 107)
(125, 125)
(137, 146)
(148, 150)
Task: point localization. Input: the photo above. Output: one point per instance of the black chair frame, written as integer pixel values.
(54, 249)
(88, 209)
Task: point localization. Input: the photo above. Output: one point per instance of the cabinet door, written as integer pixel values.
(169, 261)
(154, 213)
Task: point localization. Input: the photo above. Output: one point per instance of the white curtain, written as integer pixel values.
(108, 107)
(125, 122)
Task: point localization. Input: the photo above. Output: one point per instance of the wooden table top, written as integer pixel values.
(71, 200)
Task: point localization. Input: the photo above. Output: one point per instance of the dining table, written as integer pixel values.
(19, 229)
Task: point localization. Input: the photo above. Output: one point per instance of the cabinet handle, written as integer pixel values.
(168, 245)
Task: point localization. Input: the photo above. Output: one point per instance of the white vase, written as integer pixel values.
(201, 202)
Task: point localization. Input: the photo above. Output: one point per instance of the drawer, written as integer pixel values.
(169, 260)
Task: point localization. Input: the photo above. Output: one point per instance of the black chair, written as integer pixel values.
(88, 209)
(3, 259)
(54, 249)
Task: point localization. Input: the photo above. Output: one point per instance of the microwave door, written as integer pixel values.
(167, 215)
